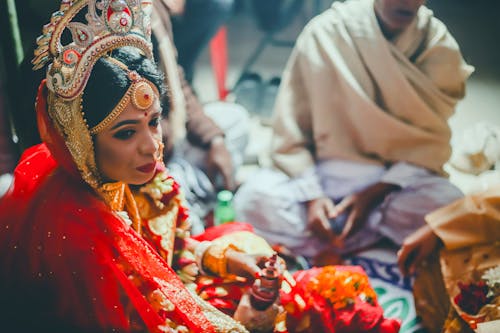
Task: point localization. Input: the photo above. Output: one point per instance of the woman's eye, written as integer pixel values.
(154, 122)
(124, 135)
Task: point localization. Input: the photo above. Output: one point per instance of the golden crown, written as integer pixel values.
(110, 24)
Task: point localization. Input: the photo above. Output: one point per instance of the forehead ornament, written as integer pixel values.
(141, 93)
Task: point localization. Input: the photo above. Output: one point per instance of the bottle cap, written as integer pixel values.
(225, 196)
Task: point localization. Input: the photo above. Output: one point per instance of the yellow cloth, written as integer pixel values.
(349, 93)
(470, 231)
(473, 220)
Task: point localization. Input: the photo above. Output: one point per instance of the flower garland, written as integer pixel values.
(334, 299)
(341, 287)
(472, 296)
(166, 222)
(480, 301)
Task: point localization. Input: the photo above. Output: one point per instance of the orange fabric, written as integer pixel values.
(218, 54)
(306, 302)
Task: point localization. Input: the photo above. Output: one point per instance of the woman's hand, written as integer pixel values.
(242, 264)
(416, 248)
(318, 212)
(255, 320)
(360, 205)
(219, 161)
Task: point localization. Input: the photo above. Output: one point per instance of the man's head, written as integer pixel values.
(395, 15)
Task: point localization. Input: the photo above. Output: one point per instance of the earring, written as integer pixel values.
(161, 146)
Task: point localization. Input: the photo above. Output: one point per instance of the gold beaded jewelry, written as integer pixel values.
(142, 93)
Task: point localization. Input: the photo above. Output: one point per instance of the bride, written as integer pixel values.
(94, 235)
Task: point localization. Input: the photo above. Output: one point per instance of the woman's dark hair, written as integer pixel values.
(108, 83)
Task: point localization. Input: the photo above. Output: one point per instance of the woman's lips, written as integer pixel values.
(147, 168)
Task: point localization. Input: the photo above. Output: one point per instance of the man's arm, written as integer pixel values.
(293, 146)
(201, 129)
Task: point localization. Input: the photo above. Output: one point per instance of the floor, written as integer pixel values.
(474, 25)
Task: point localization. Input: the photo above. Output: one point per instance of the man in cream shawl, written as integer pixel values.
(360, 129)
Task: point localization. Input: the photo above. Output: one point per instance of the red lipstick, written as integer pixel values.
(147, 168)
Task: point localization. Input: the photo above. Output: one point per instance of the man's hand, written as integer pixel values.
(416, 248)
(219, 162)
(360, 205)
(318, 212)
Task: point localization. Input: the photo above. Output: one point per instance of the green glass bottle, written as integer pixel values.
(224, 211)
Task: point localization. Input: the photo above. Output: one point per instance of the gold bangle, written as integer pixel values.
(215, 259)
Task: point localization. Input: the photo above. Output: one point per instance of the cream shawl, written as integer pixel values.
(348, 93)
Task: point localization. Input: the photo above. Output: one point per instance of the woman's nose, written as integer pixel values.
(150, 144)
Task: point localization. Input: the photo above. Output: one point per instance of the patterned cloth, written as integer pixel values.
(393, 290)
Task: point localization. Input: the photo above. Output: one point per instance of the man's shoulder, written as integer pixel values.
(325, 21)
(328, 23)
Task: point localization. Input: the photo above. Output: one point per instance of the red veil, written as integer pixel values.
(95, 270)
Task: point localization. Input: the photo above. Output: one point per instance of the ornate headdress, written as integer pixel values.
(110, 24)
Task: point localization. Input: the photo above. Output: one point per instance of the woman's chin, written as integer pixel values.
(142, 178)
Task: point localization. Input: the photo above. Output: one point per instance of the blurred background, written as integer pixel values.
(474, 24)
(246, 59)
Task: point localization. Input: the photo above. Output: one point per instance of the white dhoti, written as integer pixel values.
(275, 204)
